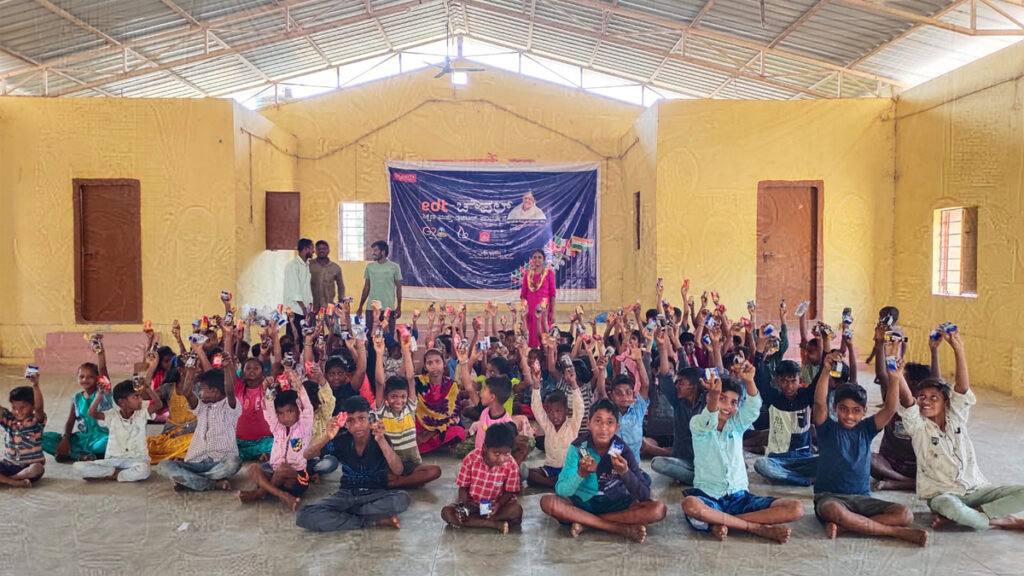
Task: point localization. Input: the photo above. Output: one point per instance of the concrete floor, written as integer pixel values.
(67, 526)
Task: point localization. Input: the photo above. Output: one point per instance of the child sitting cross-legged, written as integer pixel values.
(396, 409)
(366, 459)
(212, 455)
(83, 438)
(947, 469)
(719, 500)
(127, 457)
(687, 400)
(488, 482)
(23, 462)
(560, 429)
(789, 458)
(290, 418)
(842, 488)
(601, 485)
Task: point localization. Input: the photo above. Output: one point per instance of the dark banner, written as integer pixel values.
(466, 232)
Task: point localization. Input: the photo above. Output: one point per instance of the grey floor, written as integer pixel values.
(67, 526)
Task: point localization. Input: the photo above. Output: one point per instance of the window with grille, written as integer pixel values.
(359, 225)
(954, 252)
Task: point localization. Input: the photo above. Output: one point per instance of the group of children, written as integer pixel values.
(327, 392)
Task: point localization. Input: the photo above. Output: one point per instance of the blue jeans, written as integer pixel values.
(351, 509)
(675, 468)
(798, 467)
(200, 476)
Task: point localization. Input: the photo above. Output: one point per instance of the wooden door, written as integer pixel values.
(788, 250)
(283, 220)
(108, 251)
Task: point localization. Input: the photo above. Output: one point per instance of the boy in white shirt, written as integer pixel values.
(948, 476)
(127, 456)
(559, 431)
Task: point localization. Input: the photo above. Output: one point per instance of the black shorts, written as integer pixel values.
(860, 504)
(8, 468)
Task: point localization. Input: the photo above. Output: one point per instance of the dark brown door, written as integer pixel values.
(282, 220)
(788, 250)
(108, 251)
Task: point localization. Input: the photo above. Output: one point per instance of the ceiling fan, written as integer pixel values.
(447, 67)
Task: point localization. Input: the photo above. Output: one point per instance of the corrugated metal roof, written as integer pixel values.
(188, 48)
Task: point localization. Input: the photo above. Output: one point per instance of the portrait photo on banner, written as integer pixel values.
(466, 231)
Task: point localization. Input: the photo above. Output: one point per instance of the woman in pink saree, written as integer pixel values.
(538, 292)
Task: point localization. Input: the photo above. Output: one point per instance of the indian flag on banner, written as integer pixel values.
(582, 244)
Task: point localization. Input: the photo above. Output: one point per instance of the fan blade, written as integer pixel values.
(442, 73)
(468, 69)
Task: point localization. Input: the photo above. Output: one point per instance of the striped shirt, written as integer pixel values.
(400, 429)
(23, 438)
(214, 438)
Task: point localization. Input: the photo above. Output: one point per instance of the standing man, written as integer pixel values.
(384, 284)
(297, 292)
(325, 276)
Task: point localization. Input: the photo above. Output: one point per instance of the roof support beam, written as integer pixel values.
(909, 16)
(184, 33)
(380, 27)
(908, 32)
(213, 54)
(775, 42)
(113, 42)
(587, 33)
(703, 12)
(60, 73)
(531, 14)
(184, 14)
(680, 47)
(712, 35)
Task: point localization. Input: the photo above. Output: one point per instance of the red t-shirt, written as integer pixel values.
(251, 424)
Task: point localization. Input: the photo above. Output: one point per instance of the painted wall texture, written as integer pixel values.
(960, 142)
(711, 156)
(180, 150)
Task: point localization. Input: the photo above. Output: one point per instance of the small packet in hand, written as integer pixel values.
(225, 295)
(217, 361)
(147, 326)
(31, 371)
(103, 382)
(340, 419)
(485, 508)
(616, 448)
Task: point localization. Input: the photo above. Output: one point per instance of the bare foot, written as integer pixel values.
(502, 527)
(247, 496)
(941, 522)
(831, 530)
(914, 536)
(17, 483)
(720, 531)
(636, 533)
(391, 522)
(576, 529)
(778, 533)
(86, 457)
(451, 518)
(293, 502)
(224, 485)
(263, 457)
(1008, 523)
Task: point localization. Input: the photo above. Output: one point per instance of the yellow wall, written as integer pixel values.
(961, 143)
(711, 156)
(180, 150)
(497, 113)
(264, 160)
(640, 174)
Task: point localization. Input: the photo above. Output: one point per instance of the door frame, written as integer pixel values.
(76, 186)
(817, 254)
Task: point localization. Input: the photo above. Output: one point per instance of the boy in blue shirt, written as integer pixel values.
(789, 458)
(719, 499)
(842, 489)
(632, 407)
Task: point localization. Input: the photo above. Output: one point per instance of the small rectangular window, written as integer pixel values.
(359, 225)
(954, 251)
